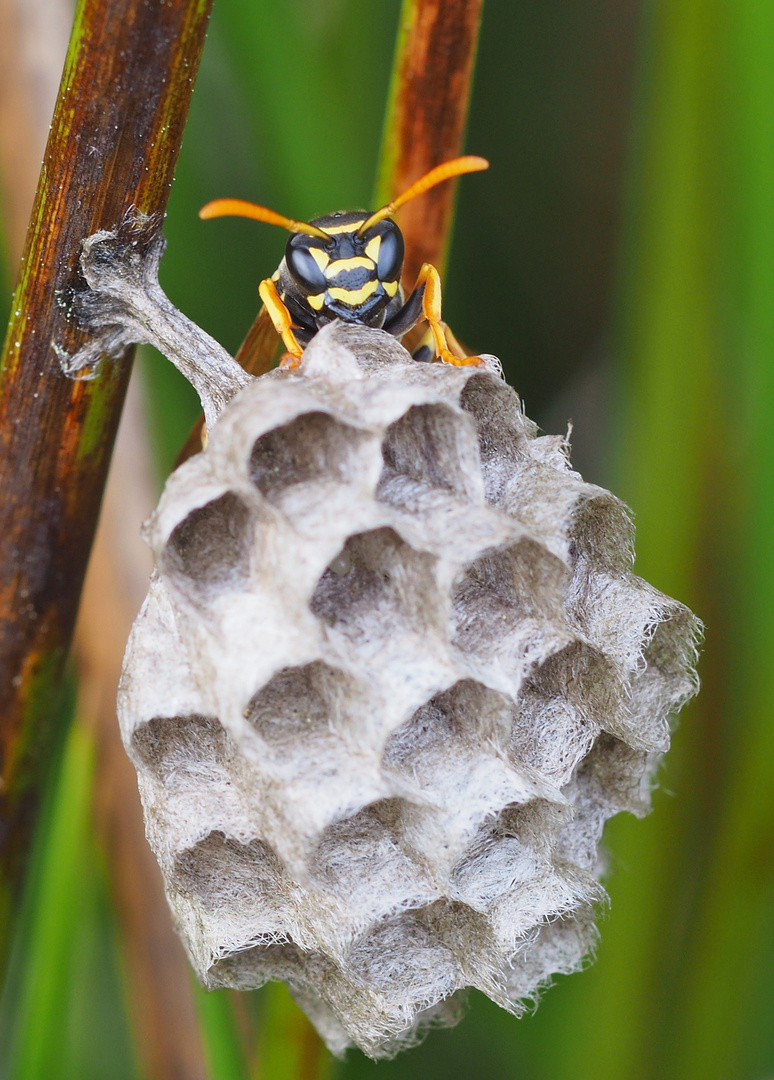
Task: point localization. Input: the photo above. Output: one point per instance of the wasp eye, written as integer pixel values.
(390, 259)
(304, 268)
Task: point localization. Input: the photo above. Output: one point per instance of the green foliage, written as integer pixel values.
(225, 1054)
(62, 1013)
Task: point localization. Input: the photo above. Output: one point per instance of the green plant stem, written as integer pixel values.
(426, 117)
(50, 916)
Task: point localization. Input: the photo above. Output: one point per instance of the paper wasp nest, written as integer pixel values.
(393, 674)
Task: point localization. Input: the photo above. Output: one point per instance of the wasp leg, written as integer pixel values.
(431, 309)
(422, 346)
(423, 349)
(283, 324)
(453, 342)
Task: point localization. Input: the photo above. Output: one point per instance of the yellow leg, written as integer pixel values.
(282, 323)
(431, 309)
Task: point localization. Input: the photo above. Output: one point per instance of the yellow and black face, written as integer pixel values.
(344, 275)
(347, 266)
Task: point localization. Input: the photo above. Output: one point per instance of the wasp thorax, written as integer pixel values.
(393, 673)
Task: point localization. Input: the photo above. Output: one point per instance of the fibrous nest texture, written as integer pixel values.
(393, 674)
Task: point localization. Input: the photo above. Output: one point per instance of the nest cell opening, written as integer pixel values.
(300, 705)
(671, 657)
(264, 960)
(613, 777)
(498, 590)
(225, 873)
(561, 708)
(429, 445)
(173, 744)
(467, 710)
(353, 840)
(312, 448)
(601, 531)
(375, 584)
(209, 551)
(425, 732)
(503, 430)
(478, 875)
(406, 952)
(513, 852)
(362, 854)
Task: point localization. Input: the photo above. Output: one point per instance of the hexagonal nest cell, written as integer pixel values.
(393, 674)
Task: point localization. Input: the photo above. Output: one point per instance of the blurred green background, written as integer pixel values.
(619, 258)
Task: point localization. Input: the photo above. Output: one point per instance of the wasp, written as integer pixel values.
(348, 266)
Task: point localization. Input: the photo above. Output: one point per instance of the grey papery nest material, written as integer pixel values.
(393, 674)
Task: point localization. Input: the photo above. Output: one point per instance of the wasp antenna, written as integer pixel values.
(241, 208)
(447, 170)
